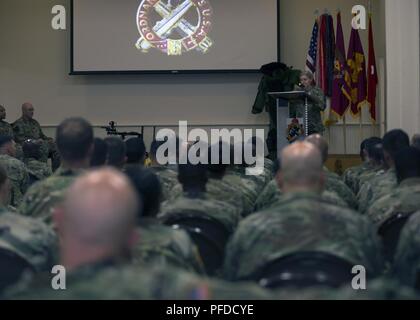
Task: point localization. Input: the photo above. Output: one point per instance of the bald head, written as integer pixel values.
(28, 110)
(301, 168)
(100, 210)
(319, 141)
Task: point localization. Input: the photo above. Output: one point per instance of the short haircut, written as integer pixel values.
(116, 151)
(407, 163)
(415, 141)
(148, 188)
(394, 141)
(363, 147)
(135, 150)
(220, 168)
(100, 151)
(32, 149)
(74, 138)
(5, 140)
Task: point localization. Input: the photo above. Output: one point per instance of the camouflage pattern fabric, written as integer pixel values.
(163, 245)
(334, 183)
(18, 175)
(168, 180)
(109, 281)
(316, 104)
(217, 189)
(39, 169)
(301, 222)
(247, 189)
(367, 176)
(272, 194)
(201, 205)
(6, 129)
(404, 199)
(29, 238)
(30, 129)
(378, 187)
(257, 182)
(407, 259)
(43, 196)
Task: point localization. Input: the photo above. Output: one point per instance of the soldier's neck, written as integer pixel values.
(82, 164)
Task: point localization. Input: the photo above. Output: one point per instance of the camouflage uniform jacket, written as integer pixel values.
(407, 258)
(18, 175)
(351, 175)
(378, 187)
(217, 189)
(163, 245)
(43, 196)
(107, 280)
(301, 222)
(27, 129)
(316, 104)
(404, 199)
(6, 129)
(168, 179)
(39, 169)
(272, 194)
(29, 238)
(202, 205)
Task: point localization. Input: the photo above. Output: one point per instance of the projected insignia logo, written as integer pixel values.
(174, 27)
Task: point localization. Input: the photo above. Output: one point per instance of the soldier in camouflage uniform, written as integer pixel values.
(302, 221)
(159, 244)
(16, 170)
(316, 104)
(393, 142)
(407, 259)
(333, 181)
(5, 128)
(38, 169)
(406, 197)
(88, 227)
(75, 143)
(28, 128)
(167, 176)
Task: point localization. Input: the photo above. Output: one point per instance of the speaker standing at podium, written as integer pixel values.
(316, 104)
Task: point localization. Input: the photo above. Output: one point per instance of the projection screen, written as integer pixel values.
(173, 36)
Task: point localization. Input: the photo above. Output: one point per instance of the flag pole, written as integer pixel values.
(345, 133)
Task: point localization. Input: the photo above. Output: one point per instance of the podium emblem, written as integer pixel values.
(174, 27)
(295, 129)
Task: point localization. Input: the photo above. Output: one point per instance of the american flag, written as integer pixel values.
(313, 48)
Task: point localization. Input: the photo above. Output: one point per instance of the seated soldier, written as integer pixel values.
(351, 174)
(27, 127)
(5, 127)
(167, 176)
(100, 152)
(333, 182)
(75, 142)
(97, 229)
(135, 152)
(116, 156)
(16, 170)
(160, 244)
(31, 156)
(393, 142)
(405, 198)
(23, 240)
(301, 222)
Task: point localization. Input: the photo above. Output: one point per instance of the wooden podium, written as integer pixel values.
(283, 113)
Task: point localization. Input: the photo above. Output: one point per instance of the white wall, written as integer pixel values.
(34, 65)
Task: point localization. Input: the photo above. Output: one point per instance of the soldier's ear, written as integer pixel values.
(279, 179)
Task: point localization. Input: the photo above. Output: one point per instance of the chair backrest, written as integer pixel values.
(390, 231)
(12, 268)
(209, 235)
(305, 269)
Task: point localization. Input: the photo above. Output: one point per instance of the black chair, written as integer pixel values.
(209, 235)
(390, 231)
(303, 270)
(12, 268)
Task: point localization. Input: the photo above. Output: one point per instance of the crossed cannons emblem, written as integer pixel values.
(158, 34)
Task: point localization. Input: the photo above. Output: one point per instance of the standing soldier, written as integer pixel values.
(28, 128)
